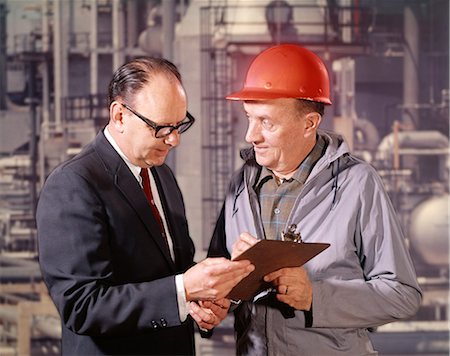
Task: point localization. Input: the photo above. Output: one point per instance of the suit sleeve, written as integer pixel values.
(75, 256)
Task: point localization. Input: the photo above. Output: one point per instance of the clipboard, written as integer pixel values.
(268, 256)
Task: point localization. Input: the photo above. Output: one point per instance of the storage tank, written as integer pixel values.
(429, 230)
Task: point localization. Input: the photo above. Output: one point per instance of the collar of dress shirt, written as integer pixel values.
(134, 169)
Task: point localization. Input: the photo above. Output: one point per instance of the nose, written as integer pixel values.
(173, 139)
(253, 132)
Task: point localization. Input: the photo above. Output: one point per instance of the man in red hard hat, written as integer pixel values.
(300, 181)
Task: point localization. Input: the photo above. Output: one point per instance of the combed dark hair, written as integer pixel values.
(308, 106)
(133, 75)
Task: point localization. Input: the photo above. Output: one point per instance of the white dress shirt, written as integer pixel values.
(183, 305)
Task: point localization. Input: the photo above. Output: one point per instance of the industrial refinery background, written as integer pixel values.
(389, 66)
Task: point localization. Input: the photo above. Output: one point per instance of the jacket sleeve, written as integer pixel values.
(75, 242)
(387, 290)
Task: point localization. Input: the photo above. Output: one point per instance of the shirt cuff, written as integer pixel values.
(183, 305)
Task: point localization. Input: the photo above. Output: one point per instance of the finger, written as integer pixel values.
(231, 270)
(216, 309)
(244, 243)
(285, 299)
(282, 289)
(215, 304)
(218, 275)
(206, 279)
(235, 246)
(248, 238)
(219, 305)
(241, 245)
(224, 288)
(227, 265)
(273, 276)
(205, 315)
(222, 261)
(238, 248)
(299, 302)
(224, 303)
(220, 312)
(289, 273)
(199, 321)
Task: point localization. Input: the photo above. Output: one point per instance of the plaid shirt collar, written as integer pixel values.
(303, 171)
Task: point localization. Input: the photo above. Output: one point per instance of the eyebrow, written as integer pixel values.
(135, 112)
(177, 123)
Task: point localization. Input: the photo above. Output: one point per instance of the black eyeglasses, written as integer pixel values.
(165, 130)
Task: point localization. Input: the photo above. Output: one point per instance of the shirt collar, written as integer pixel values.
(136, 170)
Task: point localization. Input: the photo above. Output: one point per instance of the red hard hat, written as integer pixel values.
(286, 71)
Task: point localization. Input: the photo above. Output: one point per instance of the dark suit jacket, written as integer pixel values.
(105, 263)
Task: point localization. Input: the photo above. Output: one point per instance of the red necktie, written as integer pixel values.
(149, 195)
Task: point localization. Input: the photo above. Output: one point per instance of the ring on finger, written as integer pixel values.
(287, 288)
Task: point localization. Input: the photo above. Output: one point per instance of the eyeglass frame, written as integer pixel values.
(158, 128)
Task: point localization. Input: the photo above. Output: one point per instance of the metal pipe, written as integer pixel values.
(3, 91)
(132, 30)
(58, 59)
(9, 314)
(6, 261)
(168, 26)
(395, 144)
(45, 105)
(50, 327)
(168, 37)
(93, 48)
(12, 298)
(410, 67)
(20, 274)
(33, 125)
(17, 270)
(117, 31)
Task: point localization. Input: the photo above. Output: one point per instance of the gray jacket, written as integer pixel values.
(363, 280)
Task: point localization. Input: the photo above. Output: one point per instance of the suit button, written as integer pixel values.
(163, 322)
(154, 324)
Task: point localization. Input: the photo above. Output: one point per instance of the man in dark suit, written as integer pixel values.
(114, 244)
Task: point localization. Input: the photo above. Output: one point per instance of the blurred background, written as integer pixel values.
(389, 66)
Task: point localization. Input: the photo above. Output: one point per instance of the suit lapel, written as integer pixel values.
(173, 206)
(164, 195)
(125, 181)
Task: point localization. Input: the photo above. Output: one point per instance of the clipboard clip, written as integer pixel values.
(291, 235)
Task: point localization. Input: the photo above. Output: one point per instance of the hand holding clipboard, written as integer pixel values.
(268, 256)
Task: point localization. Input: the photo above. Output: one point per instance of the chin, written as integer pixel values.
(262, 162)
(155, 161)
(159, 162)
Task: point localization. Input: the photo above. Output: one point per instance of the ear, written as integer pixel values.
(116, 116)
(312, 122)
